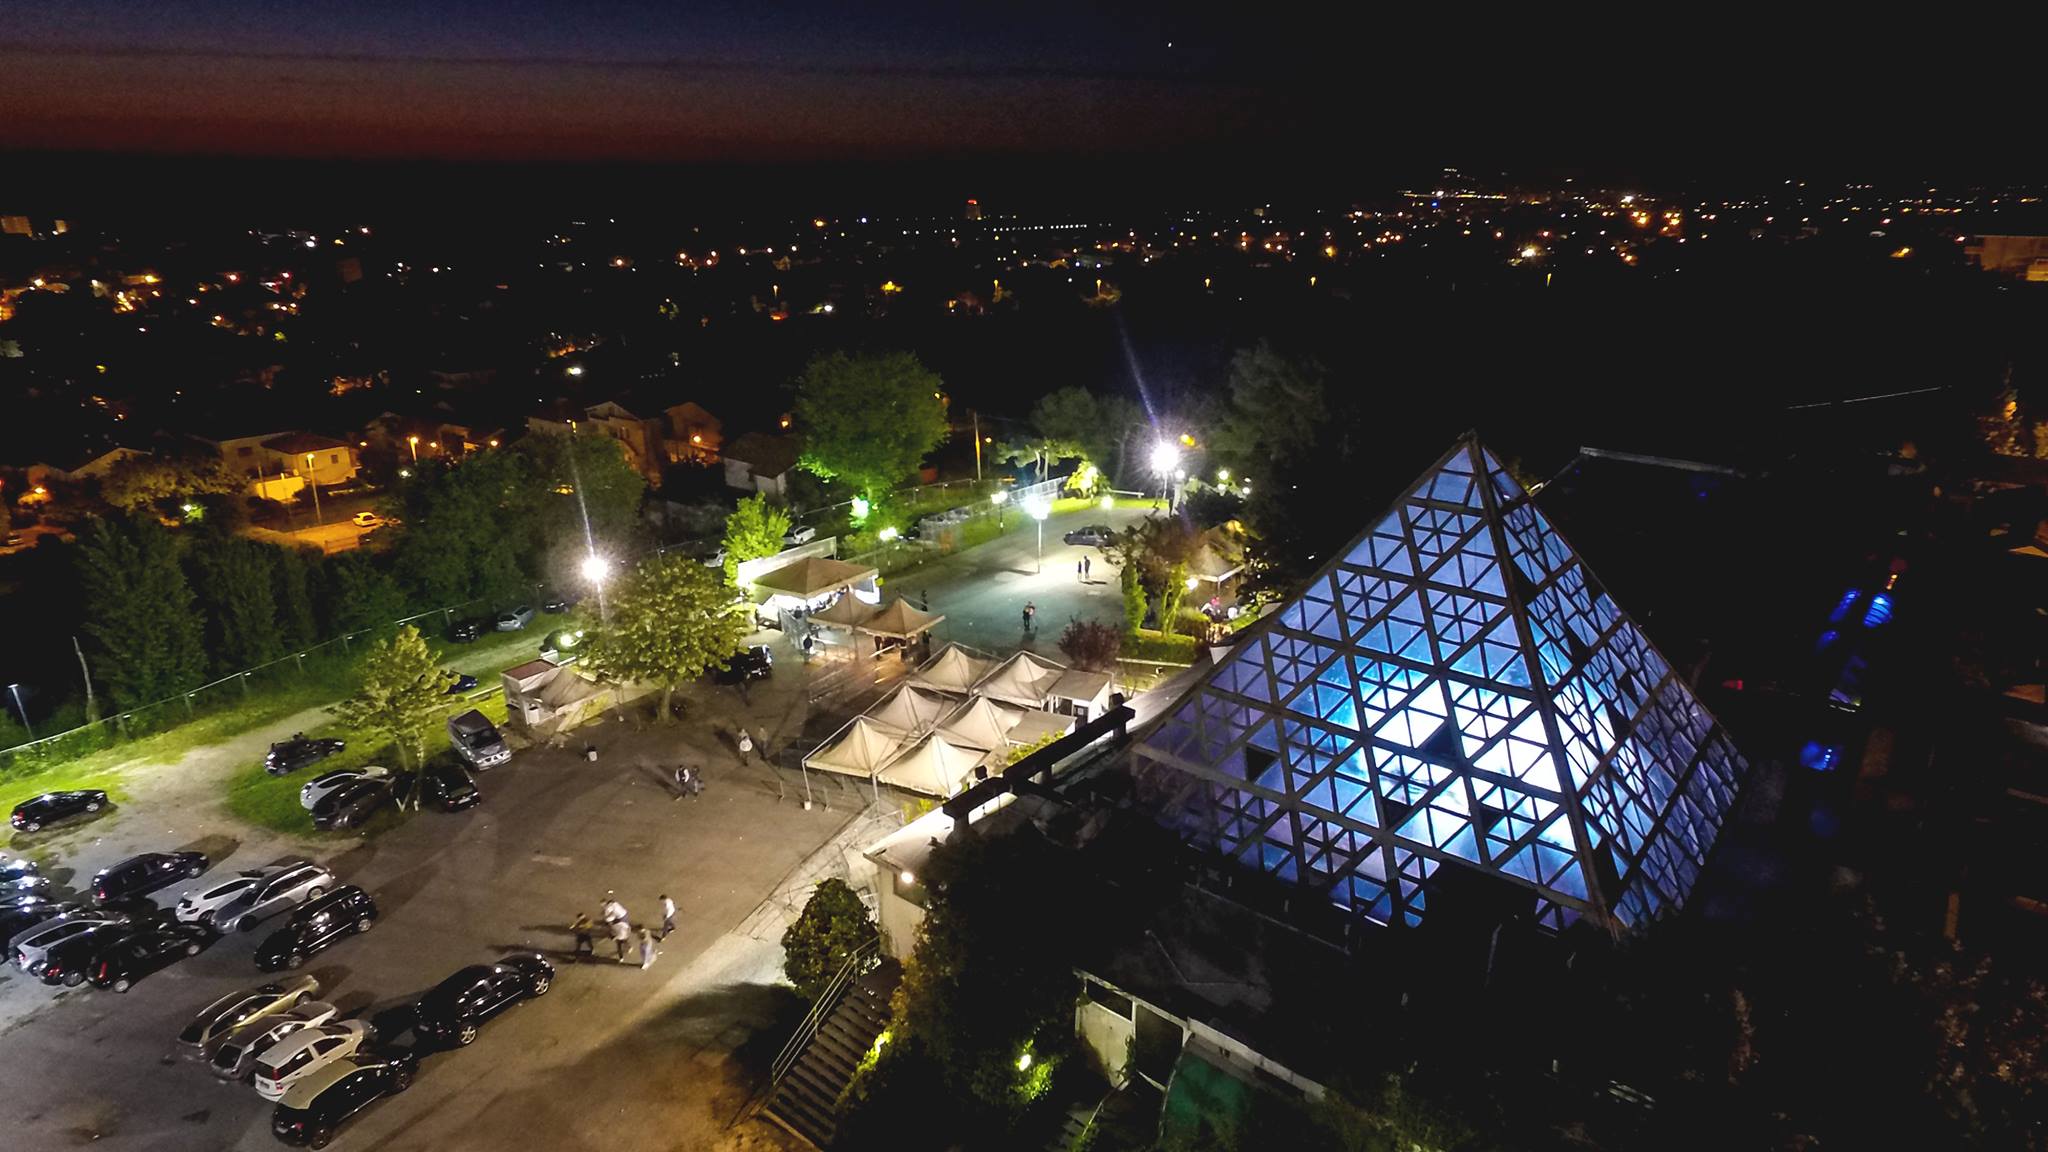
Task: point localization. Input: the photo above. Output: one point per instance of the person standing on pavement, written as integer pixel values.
(1087, 567)
(668, 915)
(613, 911)
(1080, 567)
(621, 933)
(583, 929)
(746, 746)
(646, 949)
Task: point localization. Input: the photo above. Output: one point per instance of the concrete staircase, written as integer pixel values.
(805, 1099)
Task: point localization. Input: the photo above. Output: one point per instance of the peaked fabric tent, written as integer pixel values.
(1023, 680)
(952, 670)
(899, 621)
(909, 709)
(813, 577)
(858, 749)
(934, 766)
(979, 723)
(845, 612)
(1454, 689)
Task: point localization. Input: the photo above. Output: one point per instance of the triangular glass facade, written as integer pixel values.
(1455, 689)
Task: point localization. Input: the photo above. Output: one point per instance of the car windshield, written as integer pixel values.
(246, 1009)
(293, 1063)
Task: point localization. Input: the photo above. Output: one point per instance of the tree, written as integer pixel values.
(293, 569)
(1076, 422)
(235, 580)
(360, 594)
(1134, 598)
(869, 419)
(1169, 600)
(834, 925)
(1093, 645)
(139, 611)
(755, 529)
(403, 691)
(671, 620)
(139, 482)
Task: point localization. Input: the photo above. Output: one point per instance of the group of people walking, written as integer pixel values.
(619, 926)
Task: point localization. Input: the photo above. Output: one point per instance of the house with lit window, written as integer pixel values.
(695, 436)
(278, 464)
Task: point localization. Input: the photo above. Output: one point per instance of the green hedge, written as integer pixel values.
(1148, 644)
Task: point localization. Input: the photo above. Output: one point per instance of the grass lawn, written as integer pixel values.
(273, 801)
(1148, 644)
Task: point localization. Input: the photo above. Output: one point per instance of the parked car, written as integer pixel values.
(1094, 535)
(237, 1009)
(308, 1050)
(350, 804)
(560, 643)
(754, 663)
(513, 619)
(19, 874)
(476, 740)
(237, 1052)
(324, 785)
(67, 960)
(288, 756)
(442, 785)
(120, 964)
(314, 1107)
(463, 682)
(453, 1011)
(555, 603)
(50, 914)
(249, 898)
(33, 814)
(465, 631)
(801, 534)
(31, 947)
(19, 913)
(141, 875)
(367, 520)
(348, 910)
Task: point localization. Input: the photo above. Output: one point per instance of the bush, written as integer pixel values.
(1134, 597)
(1147, 644)
(1091, 644)
(834, 925)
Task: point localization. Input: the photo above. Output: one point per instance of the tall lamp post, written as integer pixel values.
(1039, 509)
(23, 712)
(414, 441)
(313, 482)
(596, 569)
(1165, 459)
(999, 498)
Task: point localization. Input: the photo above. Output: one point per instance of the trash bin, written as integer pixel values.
(590, 753)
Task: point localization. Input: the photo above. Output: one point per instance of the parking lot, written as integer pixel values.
(613, 1057)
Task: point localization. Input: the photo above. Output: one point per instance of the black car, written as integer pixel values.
(313, 1108)
(69, 961)
(288, 756)
(19, 874)
(458, 1006)
(556, 603)
(349, 806)
(120, 964)
(755, 663)
(141, 875)
(346, 911)
(466, 631)
(18, 913)
(463, 682)
(1098, 535)
(32, 814)
(442, 785)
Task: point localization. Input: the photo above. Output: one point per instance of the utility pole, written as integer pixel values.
(976, 417)
(92, 708)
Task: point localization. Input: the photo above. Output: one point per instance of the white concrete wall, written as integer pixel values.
(1107, 1035)
(899, 920)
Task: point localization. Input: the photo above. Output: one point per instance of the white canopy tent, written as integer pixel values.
(953, 670)
(858, 749)
(979, 723)
(1023, 680)
(909, 709)
(934, 766)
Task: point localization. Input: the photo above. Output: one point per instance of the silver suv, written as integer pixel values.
(253, 897)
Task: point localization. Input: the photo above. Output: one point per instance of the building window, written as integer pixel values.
(334, 457)
(245, 450)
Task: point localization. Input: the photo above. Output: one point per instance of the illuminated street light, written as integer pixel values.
(1039, 508)
(415, 442)
(574, 369)
(313, 482)
(1108, 503)
(999, 498)
(1165, 458)
(596, 568)
(887, 534)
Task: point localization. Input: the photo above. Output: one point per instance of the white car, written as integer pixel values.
(237, 1052)
(248, 898)
(802, 534)
(367, 520)
(306, 1050)
(320, 787)
(32, 946)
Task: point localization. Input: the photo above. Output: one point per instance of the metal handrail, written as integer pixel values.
(827, 1001)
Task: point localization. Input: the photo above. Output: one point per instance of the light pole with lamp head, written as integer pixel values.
(1165, 459)
(1039, 509)
(21, 711)
(999, 498)
(597, 569)
(415, 442)
(313, 482)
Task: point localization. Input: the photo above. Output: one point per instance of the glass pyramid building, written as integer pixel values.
(1455, 690)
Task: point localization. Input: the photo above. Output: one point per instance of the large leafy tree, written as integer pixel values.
(294, 570)
(403, 691)
(139, 611)
(140, 482)
(869, 419)
(236, 582)
(466, 528)
(583, 483)
(670, 621)
(833, 926)
(360, 594)
(1076, 422)
(755, 529)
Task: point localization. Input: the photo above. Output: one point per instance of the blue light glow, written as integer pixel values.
(1818, 756)
(1880, 610)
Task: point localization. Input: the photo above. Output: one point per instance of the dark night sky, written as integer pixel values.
(1238, 92)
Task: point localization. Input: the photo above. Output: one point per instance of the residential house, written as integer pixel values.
(757, 462)
(86, 464)
(278, 464)
(694, 435)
